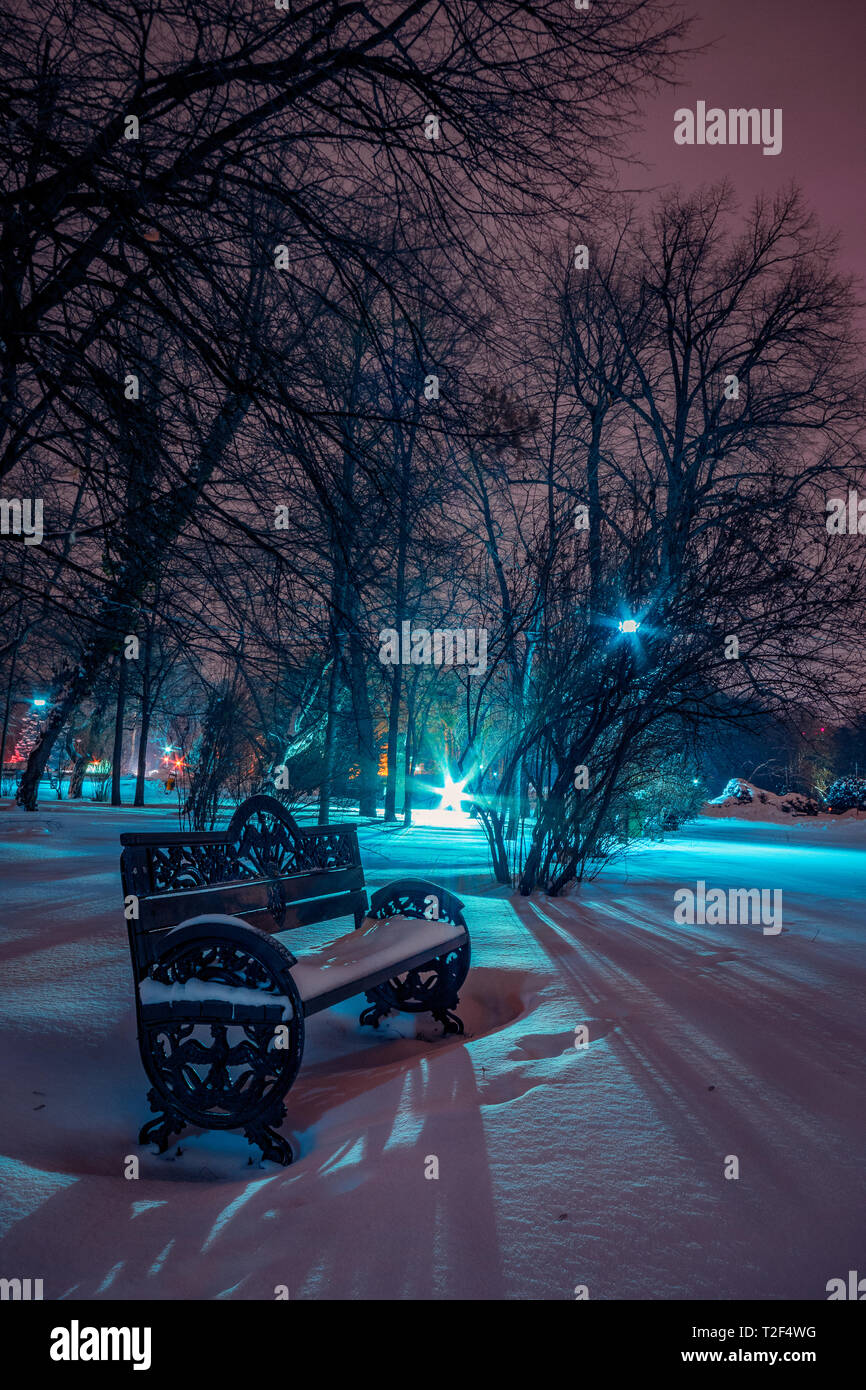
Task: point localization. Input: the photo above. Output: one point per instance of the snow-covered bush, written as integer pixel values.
(667, 796)
(737, 790)
(680, 799)
(845, 794)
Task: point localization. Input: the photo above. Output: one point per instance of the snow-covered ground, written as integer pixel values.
(559, 1166)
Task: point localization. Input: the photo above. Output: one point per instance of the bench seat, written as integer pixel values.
(350, 965)
(354, 963)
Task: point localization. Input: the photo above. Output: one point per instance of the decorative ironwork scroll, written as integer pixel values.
(262, 841)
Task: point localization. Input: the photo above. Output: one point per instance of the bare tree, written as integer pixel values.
(713, 394)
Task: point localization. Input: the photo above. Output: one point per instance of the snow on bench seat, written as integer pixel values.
(372, 950)
(210, 992)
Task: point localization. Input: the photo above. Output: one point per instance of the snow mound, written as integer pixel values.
(746, 801)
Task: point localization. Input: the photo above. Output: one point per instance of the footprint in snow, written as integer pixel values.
(540, 1045)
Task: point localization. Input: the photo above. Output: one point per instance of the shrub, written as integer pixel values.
(846, 794)
(796, 805)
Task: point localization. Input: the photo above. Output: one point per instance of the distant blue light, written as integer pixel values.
(629, 625)
(40, 702)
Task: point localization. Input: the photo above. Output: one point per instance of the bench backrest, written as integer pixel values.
(264, 867)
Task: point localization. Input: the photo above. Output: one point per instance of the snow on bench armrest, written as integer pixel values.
(374, 946)
(209, 992)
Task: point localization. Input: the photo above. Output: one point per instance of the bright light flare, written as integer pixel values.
(452, 793)
(629, 625)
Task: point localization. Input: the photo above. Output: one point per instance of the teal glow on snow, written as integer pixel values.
(409, 1121)
(231, 1210)
(160, 1259)
(111, 1276)
(349, 1155)
(139, 1207)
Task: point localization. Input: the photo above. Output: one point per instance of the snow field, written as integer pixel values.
(558, 1166)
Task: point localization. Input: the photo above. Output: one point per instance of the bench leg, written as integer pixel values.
(160, 1129)
(444, 1015)
(272, 1144)
(449, 1020)
(429, 988)
(168, 1122)
(374, 1013)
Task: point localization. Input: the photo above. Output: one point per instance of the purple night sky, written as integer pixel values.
(805, 56)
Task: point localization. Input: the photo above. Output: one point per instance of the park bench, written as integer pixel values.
(221, 1001)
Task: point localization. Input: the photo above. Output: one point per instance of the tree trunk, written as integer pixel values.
(8, 707)
(76, 777)
(330, 748)
(117, 749)
(409, 754)
(368, 758)
(400, 605)
(141, 769)
(393, 737)
(28, 790)
(593, 493)
(549, 819)
(492, 822)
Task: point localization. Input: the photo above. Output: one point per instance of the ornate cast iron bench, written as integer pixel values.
(221, 1002)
